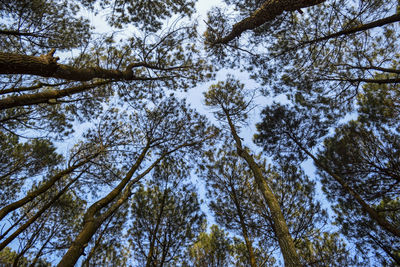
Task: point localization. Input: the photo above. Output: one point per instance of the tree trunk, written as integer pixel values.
(281, 229)
(373, 214)
(249, 246)
(79, 244)
(91, 224)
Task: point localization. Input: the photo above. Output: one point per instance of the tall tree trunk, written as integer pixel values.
(154, 235)
(93, 222)
(373, 214)
(95, 207)
(248, 242)
(281, 229)
(81, 241)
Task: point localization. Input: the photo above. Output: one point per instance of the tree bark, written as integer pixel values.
(92, 223)
(281, 229)
(269, 10)
(45, 96)
(95, 207)
(47, 66)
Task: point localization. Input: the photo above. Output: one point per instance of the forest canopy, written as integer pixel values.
(106, 160)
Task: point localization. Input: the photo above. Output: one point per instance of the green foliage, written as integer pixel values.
(325, 250)
(368, 162)
(284, 130)
(42, 24)
(229, 98)
(147, 15)
(165, 216)
(378, 105)
(211, 249)
(22, 162)
(8, 255)
(125, 128)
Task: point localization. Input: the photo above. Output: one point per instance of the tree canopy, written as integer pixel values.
(105, 161)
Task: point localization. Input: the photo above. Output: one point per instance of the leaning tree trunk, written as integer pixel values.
(281, 229)
(373, 214)
(93, 219)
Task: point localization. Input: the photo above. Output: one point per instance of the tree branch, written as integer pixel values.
(363, 27)
(269, 10)
(45, 96)
(47, 66)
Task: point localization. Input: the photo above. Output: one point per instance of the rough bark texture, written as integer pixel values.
(47, 66)
(269, 10)
(49, 96)
(367, 208)
(78, 246)
(281, 229)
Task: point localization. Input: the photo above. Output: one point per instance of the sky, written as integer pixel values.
(195, 95)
